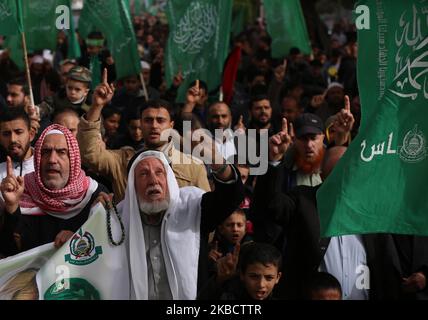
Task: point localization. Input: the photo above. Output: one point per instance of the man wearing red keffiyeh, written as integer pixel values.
(57, 197)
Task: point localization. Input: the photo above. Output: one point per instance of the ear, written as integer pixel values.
(278, 277)
(87, 91)
(171, 124)
(32, 134)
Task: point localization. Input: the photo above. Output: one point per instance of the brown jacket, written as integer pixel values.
(113, 163)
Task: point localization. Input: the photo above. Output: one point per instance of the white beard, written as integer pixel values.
(152, 208)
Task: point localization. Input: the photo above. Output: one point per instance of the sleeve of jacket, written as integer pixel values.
(217, 205)
(271, 209)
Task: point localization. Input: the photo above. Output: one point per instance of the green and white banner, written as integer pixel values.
(380, 185)
(198, 42)
(87, 267)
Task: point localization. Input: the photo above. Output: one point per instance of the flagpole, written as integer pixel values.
(27, 68)
(143, 83)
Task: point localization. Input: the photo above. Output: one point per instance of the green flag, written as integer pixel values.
(40, 23)
(286, 26)
(9, 23)
(380, 185)
(73, 44)
(198, 41)
(112, 18)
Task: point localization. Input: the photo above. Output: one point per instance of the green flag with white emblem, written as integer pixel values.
(380, 185)
(286, 26)
(198, 42)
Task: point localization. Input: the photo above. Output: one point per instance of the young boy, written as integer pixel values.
(254, 279)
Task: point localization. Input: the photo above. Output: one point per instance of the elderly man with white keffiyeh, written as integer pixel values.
(57, 196)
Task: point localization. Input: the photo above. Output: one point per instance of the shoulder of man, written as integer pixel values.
(178, 157)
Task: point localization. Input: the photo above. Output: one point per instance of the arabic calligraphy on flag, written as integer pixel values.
(380, 183)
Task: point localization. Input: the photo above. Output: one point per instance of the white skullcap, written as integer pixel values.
(145, 65)
(54, 131)
(37, 59)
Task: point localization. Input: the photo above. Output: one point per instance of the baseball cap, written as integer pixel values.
(80, 73)
(308, 123)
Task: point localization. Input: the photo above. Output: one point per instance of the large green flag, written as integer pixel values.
(380, 185)
(112, 18)
(286, 26)
(198, 42)
(40, 23)
(9, 22)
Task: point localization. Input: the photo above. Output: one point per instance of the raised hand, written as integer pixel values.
(226, 266)
(214, 254)
(12, 188)
(240, 125)
(103, 92)
(280, 70)
(280, 142)
(344, 119)
(193, 94)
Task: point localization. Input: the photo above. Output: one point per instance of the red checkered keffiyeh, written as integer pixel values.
(66, 202)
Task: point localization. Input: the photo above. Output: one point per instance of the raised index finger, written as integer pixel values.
(9, 167)
(347, 103)
(105, 76)
(284, 126)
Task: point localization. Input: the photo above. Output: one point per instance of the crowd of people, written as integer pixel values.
(197, 229)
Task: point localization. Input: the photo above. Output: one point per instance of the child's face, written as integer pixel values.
(259, 280)
(326, 294)
(233, 228)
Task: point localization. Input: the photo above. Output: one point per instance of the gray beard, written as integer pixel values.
(153, 208)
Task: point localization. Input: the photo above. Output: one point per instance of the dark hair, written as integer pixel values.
(157, 104)
(258, 97)
(263, 253)
(109, 111)
(20, 82)
(95, 35)
(63, 110)
(133, 114)
(15, 113)
(322, 281)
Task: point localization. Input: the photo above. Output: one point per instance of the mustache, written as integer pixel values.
(152, 189)
(14, 144)
(53, 167)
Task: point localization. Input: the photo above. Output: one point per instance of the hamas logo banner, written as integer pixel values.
(87, 267)
(380, 185)
(82, 249)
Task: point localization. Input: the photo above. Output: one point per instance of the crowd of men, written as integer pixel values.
(197, 229)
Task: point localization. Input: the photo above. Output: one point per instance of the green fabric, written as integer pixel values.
(286, 26)
(198, 41)
(112, 18)
(380, 185)
(14, 44)
(40, 23)
(73, 44)
(237, 22)
(95, 68)
(9, 24)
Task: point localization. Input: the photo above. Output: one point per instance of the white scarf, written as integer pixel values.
(180, 236)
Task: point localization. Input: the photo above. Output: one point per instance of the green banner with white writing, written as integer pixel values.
(9, 24)
(112, 18)
(380, 185)
(286, 26)
(198, 42)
